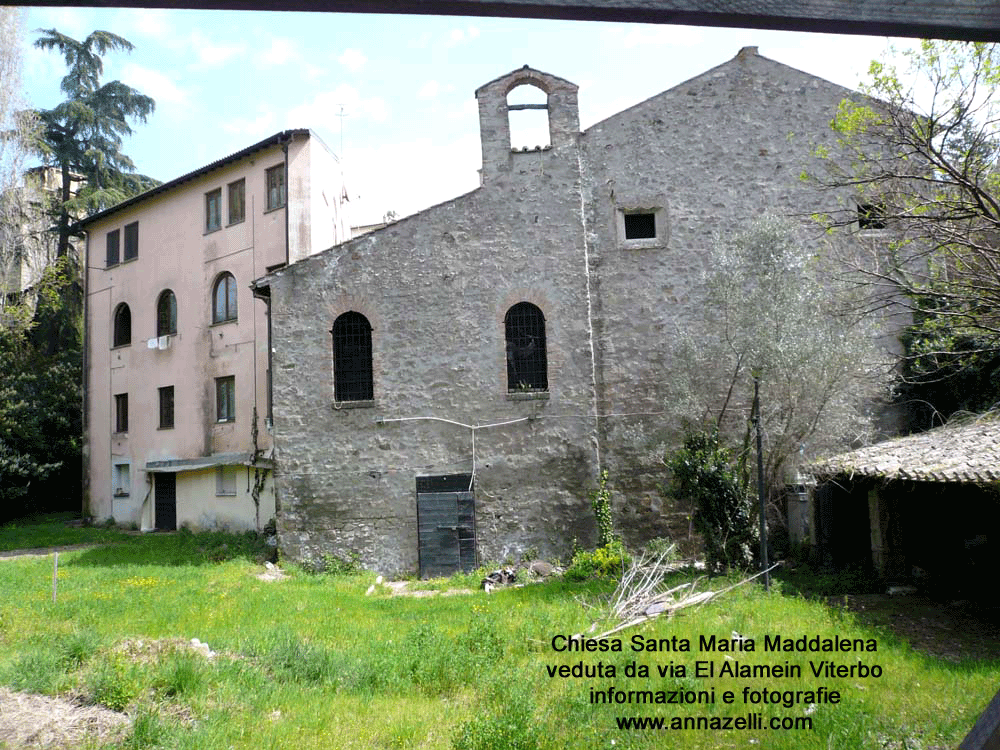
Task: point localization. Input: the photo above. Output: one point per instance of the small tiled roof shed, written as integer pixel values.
(967, 452)
(927, 503)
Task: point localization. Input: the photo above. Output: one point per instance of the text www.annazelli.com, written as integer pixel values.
(715, 723)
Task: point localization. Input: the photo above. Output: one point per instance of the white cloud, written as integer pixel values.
(150, 22)
(153, 83)
(429, 90)
(45, 67)
(212, 55)
(260, 126)
(285, 51)
(409, 176)
(468, 109)
(74, 22)
(353, 59)
(281, 51)
(462, 36)
(841, 59)
(326, 108)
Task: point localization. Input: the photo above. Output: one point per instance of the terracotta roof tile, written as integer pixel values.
(967, 452)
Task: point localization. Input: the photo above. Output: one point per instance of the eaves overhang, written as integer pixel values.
(278, 138)
(967, 453)
(173, 466)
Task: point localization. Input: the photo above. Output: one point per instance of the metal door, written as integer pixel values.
(166, 502)
(446, 532)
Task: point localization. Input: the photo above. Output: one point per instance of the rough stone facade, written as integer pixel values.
(547, 226)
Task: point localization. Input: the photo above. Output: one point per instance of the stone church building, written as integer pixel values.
(447, 389)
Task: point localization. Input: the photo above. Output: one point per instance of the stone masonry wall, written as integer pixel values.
(545, 227)
(711, 155)
(436, 288)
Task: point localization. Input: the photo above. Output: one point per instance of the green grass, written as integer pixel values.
(312, 662)
(52, 530)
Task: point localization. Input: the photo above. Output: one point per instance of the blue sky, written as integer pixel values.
(404, 84)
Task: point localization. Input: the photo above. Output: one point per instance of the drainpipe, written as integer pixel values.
(264, 293)
(285, 139)
(84, 383)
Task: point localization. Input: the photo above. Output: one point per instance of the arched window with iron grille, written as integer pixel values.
(352, 358)
(122, 334)
(527, 368)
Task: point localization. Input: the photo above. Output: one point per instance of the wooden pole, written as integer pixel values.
(760, 487)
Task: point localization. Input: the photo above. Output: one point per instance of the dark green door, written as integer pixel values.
(166, 502)
(446, 526)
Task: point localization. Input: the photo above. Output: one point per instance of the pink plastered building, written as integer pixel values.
(177, 363)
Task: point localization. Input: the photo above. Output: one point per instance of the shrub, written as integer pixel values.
(180, 675)
(660, 548)
(39, 671)
(112, 685)
(286, 656)
(702, 472)
(147, 731)
(609, 561)
(602, 511)
(77, 647)
(509, 725)
(334, 564)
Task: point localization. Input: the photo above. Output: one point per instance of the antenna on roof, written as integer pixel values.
(341, 115)
(340, 156)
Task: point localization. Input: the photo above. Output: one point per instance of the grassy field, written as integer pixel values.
(53, 530)
(311, 661)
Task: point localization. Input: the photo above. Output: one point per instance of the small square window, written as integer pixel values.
(113, 242)
(225, 480)
(121, 412)
(167, 407)
(132, 240)
(871, 216)
(213, 210)
(276, 187)
(225, 399)
(640, 226)
(237, 201)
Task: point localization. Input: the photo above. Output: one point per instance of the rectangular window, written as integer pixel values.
(122, 481)
(121, 412)
(225, 480)
(237, 201)
(640, 226)
(113, 248)
(871, 216)
(276, 187)
(213, 210)
(225, 399)
(166, 407)
(132, 240)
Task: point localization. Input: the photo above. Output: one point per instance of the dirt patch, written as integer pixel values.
(154, 650)
(948, 630)
(272, 573)
(35, 721)
(402, 588)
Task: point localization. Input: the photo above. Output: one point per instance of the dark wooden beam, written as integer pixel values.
(974, 20)
(985, 735)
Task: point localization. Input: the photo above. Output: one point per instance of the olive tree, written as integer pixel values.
(774, 310)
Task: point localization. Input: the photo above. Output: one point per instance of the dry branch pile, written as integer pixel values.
(640, 596)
